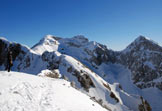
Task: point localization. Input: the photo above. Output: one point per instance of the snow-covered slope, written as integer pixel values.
(24, 92)
(48, 43)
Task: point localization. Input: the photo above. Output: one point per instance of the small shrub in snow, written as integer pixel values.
(100, 101)
(144, 106)
(16, 92)
(93, 98)
(107, 86)
(65, 78)
(64, 64)
(106, 107)
(49, 73)
(141, 107)
(69, 69)
(120, 87)
(72, 84)
(113, 96)
(81, 71)
(148, 107)
(52, 75)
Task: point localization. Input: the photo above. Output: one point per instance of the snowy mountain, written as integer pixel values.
(144, 52)
(139, 64)
(144, 58)
(108, 77)
(109, 96)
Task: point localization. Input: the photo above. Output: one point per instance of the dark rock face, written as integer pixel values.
(51, 59)
(86, 81)
(143, 67)
(100, 55)
(83, 78)
(144, 59)
(142, 43)
(104, 55)
(3, 52)
(73, 44)
(14, 48)
(27, 62)
(57, 38)
(81, 38)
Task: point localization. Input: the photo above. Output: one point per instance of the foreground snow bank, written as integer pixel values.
(24, 92)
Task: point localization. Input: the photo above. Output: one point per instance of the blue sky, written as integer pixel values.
(115, 23)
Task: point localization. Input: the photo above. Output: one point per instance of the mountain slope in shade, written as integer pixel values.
(144, 58)
(24, 92)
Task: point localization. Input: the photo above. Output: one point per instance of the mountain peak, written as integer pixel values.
(80, 38)
(48, 43)
(143, 43)
(142, 39)
(3, 38)
(50, 38)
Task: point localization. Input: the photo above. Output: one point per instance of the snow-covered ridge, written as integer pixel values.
(26, 92)
(3, 38)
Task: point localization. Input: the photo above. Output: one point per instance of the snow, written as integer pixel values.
(100, 91)
(118, 73)
(24, 92)
(148, 63)
(48, 43)
(3, 38)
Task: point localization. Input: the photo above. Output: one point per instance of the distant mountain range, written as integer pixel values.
(118, 79)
